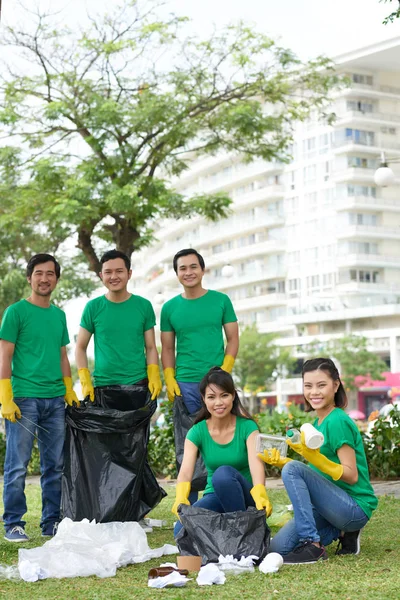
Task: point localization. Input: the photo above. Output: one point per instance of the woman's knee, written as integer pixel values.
(223, 474)
(294, 467)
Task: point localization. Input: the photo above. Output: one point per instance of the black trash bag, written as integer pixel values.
(208, 534)
(183, 421)
(106, 475)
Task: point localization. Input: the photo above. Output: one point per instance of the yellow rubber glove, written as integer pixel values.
(9, 410)
(182, 495)
(273, 457)
(317, 459)
(155, 385)
(228, 363)
(172, 386)
(70, 396)
(86, 384)
(260, 497)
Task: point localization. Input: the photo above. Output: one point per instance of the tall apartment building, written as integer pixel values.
(314, 245)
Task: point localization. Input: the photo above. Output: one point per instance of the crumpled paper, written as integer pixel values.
(174, 579)
(271, 563)
(210, 574)
(84, 548)
(235, 566)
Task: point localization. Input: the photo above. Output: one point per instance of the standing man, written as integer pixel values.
(35, 372)
(195, 319)
(125, 351)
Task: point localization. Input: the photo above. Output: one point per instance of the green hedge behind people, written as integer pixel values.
(332, 497)
(195, 321)
(225, 435)
(35, 383)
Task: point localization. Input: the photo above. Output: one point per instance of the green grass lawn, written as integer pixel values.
(373, 574)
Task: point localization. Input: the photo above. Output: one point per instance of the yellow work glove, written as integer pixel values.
(317, 459)
(155, 385)
(228, 363)
(182, 495)
(273, 457)
(70, 396)
(9, 410)
(172, 386)
(260, 497)
(86, 384)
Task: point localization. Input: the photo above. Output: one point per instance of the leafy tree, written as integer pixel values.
(106, 117)
(394, 15)
(354, 358)
(260, 361)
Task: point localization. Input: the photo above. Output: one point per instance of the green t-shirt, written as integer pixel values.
(119, 348)
(339, 429)
(216, 455)
(197, 325)
(38, 334)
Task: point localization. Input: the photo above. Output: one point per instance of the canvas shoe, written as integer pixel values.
(16, 534)
(306, 553)
(349, 543)
(50, 529)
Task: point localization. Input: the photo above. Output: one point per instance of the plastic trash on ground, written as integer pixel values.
(9, 572)
(183, 421)
(271, 563)
(234, 566)
(88, 548)
(210, 574)
(281, 514)
(174, 579)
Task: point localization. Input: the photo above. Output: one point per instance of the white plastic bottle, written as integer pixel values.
(294, 436)
(313, 438)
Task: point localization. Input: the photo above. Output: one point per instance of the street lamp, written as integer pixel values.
(227, 271)
(384, 175)
(159, 299)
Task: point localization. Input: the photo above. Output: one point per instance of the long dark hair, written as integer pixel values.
(219, 377)
(328, 366)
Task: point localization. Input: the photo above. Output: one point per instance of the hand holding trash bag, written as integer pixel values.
(70, 396)
(272, 456)
(171, 383)
(335, 470)
(86, 384)
(182, 496)
(260, 497)
(9, 410)
(155, 385)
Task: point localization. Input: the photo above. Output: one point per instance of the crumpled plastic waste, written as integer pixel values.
(282, 514)
(210, 574)
(236, 567)
(174, 579)
(271, 563)
(9, 572)
(84, 548)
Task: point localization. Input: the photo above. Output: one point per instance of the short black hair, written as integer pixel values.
(39, 259)
(111, 254)
(187, 252)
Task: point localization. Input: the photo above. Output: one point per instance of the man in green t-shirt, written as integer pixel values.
(195, 320)
(35, 383)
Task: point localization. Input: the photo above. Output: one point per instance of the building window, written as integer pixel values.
(363, 79)
(360, 106)
(363, 219)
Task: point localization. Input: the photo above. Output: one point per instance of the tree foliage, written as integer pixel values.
(393, 15)
(260, 361)
(354, 358)
(101, 120)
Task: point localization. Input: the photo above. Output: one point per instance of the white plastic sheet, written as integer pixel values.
(84, 548)
(210, 574)
(235, 566)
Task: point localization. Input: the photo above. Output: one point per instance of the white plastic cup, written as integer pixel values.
(313, 438)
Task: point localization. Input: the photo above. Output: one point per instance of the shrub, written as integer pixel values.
(382, 446)
(161, 447)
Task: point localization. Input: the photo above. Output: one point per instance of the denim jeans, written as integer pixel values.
(49, 413)
(321, 509)
(231, 493)
(191, 397)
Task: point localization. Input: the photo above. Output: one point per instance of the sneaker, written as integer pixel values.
(50, 529)
(349, 543)
(305, 554)
(16, 534)
(146, 528)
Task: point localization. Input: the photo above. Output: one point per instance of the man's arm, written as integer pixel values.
(65, 366)
(151, 348)
(168, 349)
(81, 346)
(232, 339)
(153, 370)
(6, 355)
(9, 410)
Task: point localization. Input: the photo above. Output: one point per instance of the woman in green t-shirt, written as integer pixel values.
(225, 435)
(332, 497)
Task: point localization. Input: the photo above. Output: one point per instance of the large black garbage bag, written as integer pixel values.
(183, 421)
(208, 534)
(106, 475)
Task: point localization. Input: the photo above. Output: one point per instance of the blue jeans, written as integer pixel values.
(231, 493)
(192, 399)
(49, 413)
(321, 509)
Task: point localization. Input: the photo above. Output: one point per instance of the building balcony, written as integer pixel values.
(259, 302)
(241, 254)
(367, 203)
(316, 314)
(368, 260)
(371, 91)
(350, 116)
(255, 276)
(367, 288)
(368, 231)
(260, 196)
(354, 174)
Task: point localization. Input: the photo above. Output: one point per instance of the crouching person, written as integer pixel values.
(225, 435)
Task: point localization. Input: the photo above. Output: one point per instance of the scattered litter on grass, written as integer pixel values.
(9, 572)
(174, 579)
(271, 563)
(210, 574)
(235, 566)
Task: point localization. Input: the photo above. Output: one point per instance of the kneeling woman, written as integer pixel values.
(225, 435)
(332, 497)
